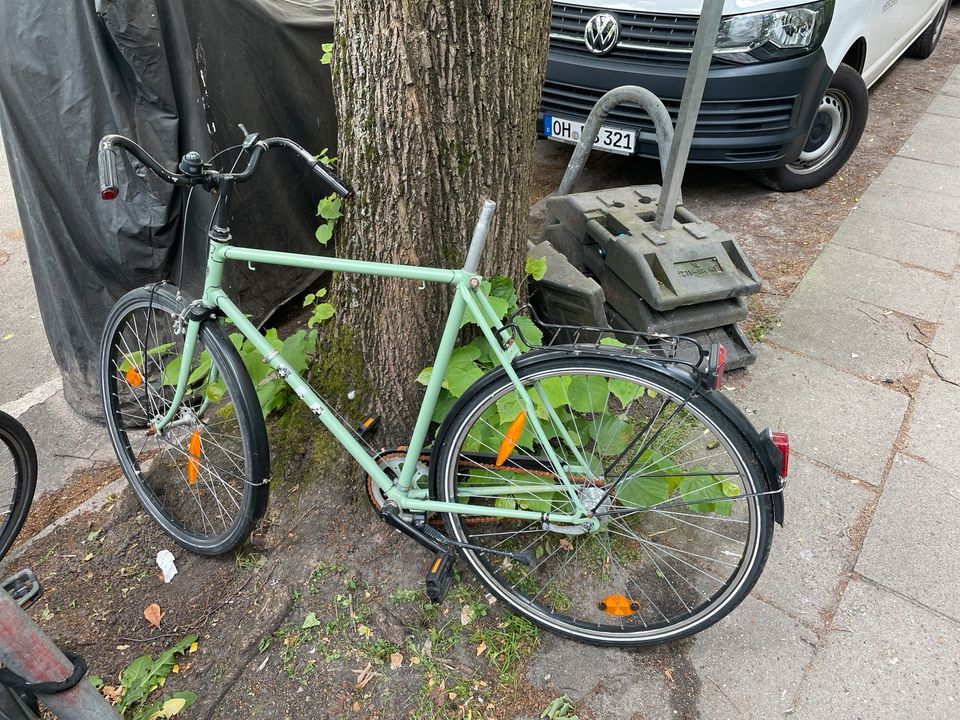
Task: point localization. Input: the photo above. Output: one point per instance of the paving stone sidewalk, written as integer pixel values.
(858, 612)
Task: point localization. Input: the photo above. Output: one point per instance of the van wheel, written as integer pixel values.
(924, 45)
(833, 137)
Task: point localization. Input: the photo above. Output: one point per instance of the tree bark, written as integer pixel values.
(437, 104)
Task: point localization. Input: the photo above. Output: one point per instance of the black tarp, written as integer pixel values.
(175, 75)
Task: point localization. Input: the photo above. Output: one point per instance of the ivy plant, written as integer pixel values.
(575, 400)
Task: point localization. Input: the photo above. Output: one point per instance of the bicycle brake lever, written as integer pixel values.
(250, 138)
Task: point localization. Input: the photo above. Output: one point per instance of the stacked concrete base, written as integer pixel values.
(608, 266)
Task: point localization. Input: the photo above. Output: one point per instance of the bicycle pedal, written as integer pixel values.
(440, 577)
(23, 587)
(368, 427)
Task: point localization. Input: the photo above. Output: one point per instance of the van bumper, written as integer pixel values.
(752, 116)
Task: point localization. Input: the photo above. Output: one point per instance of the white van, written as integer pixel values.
(787, 89)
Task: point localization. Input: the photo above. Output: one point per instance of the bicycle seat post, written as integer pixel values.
(479, 237)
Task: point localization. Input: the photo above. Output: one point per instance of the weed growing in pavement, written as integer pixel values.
(131, 698)
(246, 559)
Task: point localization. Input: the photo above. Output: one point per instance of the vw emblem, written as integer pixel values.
(602, 33)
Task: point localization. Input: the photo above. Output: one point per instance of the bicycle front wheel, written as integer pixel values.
(203, 478)
(18, 479)
(684, 529)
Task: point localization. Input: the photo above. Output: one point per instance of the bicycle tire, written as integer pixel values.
(18, 479)
(642, 578)
(191, 482)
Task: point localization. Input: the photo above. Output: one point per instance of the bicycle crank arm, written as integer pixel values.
(436, 541)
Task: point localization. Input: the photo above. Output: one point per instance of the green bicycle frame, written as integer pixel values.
(467, 296)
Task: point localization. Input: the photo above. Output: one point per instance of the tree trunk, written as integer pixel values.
(437, 104)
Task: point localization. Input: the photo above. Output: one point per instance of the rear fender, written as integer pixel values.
(762, 444)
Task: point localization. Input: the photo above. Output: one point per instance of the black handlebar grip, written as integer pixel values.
(338, 185)
(107, 162)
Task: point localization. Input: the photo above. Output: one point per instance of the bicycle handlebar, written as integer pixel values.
(109, 183)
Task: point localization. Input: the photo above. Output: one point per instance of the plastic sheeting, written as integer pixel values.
(175, 75)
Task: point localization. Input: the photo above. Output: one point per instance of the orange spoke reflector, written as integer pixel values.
(618, 605)
(133, 377)
(193, 462)
(509, 441)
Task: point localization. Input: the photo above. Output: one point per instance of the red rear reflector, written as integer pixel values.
(782, 441)
(721, 362)
(109, 193)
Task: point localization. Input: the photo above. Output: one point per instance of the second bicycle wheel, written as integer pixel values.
(18, 479)
(203, 478)
(683, 529)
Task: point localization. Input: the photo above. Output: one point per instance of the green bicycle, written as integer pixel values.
(606, 493)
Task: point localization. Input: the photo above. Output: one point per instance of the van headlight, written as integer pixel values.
(756, 37)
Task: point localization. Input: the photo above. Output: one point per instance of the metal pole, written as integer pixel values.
(703, 44)
(649, 102)
(32, 655)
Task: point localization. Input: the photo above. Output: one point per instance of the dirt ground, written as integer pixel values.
(323, 614)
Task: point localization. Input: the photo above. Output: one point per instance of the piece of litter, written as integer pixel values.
(166, 564)
(264, 663)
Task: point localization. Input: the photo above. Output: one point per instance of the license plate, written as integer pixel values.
(610, 139)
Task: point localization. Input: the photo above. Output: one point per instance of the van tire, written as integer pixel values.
(924, 45)
(844, 109)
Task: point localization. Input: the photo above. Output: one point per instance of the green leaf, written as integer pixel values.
(502, 287)
(625, 390)
(216, 391)
(444, 402)
(294, 351)
(612, 342)
(700, 487)
(329, 207)
(308, 300)
(257, 369)
(640, 491)
(203, 367)
(135, 359)
(273, 338)
(172, 371)
(508, 407)
(323, 311)
(167, 706)
(145, 673)
(424, 377)
(500, 305)
(310, 622)
(324, 233)
(460, 377)
(484, 435)
(536, 267)
(555, 390)
(612, 434)
(588, 393)
(327, 56)
(272, 395)
(464, 355)
(530, 332)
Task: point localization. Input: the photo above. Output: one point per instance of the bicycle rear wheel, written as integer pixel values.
(684, 530)
(203, 479)
(18, 479)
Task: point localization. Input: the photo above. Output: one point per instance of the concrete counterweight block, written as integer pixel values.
(609, 266)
